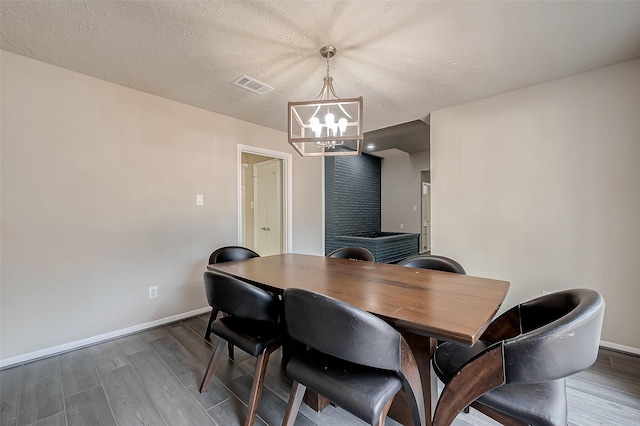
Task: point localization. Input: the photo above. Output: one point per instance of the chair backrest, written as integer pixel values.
(560, 335)
(431, 261)
(239, 298)
(358, 253)
(231, 253)
(341, 330)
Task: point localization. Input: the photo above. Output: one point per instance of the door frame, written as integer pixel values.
(287, 208)
(422, 212)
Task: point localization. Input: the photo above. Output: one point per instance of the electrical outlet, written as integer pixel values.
(153, 292)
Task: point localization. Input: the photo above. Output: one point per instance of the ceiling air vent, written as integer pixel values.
(252, 84)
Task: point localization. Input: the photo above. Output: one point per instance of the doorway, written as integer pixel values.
(426, 219)
(267, 207)
(264, 204)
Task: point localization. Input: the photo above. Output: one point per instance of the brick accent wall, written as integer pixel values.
(353, 187)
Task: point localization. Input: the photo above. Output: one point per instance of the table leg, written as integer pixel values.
(422, 348)
(316, 401)
(289, 349)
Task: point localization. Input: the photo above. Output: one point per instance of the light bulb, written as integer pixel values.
(316, 126)
(330, 119)
(342, 124)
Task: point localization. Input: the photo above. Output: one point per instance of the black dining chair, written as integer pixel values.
(226, 254)
(354, 253)
(252, 324)
(516, 372)
(432, 261)
(354, 359)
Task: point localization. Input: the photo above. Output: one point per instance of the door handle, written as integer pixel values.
(266, 228)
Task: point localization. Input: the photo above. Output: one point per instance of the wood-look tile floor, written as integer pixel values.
(152, 378)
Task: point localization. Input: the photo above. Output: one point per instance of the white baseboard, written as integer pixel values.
(618, 347)
(43, 353)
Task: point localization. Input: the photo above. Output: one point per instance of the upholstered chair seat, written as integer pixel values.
(354, 359)
(516, 372)
(252, 323)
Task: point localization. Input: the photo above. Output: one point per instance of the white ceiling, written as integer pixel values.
(406, 58)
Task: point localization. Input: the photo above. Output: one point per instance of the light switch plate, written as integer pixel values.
(199, 200)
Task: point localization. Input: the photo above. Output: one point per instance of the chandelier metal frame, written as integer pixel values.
(342, 136)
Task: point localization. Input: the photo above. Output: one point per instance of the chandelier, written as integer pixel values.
(327, 125)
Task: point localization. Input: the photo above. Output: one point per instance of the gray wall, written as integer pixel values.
(98, 203)
(402, 189)
(540, 187)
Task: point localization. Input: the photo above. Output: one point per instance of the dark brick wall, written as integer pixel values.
(353, 187)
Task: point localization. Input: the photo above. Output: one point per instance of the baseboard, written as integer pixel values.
(618, 347)
(67, 347)
(55, 350)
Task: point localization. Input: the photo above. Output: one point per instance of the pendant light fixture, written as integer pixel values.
(327, 125)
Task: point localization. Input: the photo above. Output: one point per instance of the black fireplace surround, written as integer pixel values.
(353, 210)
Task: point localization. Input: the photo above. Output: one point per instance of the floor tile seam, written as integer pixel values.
(127, 355)
(193, 357)
(227, 399)
(198, 390)
(82, 391)
(184, 347)
(618, 407)
(142, 387)
(64, 402)
(106, 397)
(95, 369)
(615, 390)
(616, 377)
(19, 397)
(251, 374)
(246, 405)
(631, 382)
(582, 409)
(189, 328)
(54, 414)
(206, 412)
(177, 378)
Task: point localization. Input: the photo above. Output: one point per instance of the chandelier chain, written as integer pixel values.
(328, 66)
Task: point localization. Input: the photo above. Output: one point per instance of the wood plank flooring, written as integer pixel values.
(152, 378)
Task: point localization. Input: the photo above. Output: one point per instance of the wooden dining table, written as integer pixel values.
(424, 305)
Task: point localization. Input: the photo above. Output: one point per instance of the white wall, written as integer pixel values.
(98, 203)
(540, 187)
(402, 189)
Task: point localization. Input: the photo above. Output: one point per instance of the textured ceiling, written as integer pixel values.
(406, 58)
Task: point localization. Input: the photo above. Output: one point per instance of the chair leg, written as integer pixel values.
(212, 318)
(258, 381)
(212, 365)
(295, 399)
(231, 355)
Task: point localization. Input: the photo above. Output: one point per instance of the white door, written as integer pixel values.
(268, 207)
(426, 217)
